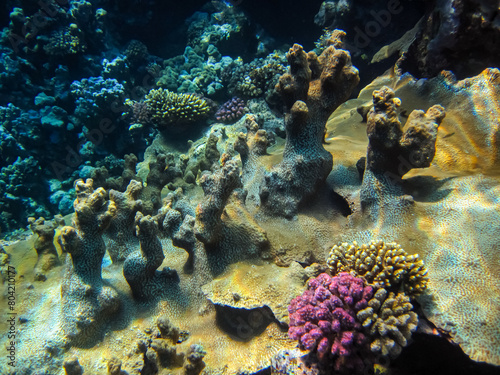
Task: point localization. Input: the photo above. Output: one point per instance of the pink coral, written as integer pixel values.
(232, 110)
(323, 319)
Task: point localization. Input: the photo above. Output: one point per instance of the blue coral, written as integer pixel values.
(96, 94)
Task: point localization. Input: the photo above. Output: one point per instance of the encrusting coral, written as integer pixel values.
(86, 302)
(385, 265)
(312, 90)
(389, 322)
(168, 108)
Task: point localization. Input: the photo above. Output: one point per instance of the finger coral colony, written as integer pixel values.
(216, 188)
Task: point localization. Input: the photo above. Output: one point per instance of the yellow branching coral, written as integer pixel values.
(169, 108)
(386, 265)
(389, 322)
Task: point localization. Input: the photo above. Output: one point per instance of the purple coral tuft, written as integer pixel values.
(231, 111)
(323, 319)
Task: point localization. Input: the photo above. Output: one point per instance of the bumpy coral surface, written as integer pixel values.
(392, 151)
(386, 265)
(323, 319)
(140, 267)
(389, 322)
(313, 88)
(169, 108)
(86, 301)
(231, 111)
(217, 188)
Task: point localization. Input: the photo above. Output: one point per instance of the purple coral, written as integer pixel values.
(231, 111)
(323, 319)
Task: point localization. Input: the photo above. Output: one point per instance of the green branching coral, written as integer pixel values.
(168, 108)
(386, 265)
(389, 322)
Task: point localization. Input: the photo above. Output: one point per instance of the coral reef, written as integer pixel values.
(392, 153)
(293, 362)
(244, 287)
(97, 98)
(120, 231)
(256, 78)
(86, 302)
(193, 232)
(311, 91)
(389, 147)
(44, 245)
(385, 265)
(194, 357)
(73, 367)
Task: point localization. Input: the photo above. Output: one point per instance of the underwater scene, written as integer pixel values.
(250, 187)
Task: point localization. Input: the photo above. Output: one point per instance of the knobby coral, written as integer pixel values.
(86, 301)
(231, 111)
(389, 322)
(386, 265)
(323, 319)
(314, 87)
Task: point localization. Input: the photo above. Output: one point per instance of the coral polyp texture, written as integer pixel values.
(231, 111)
(217, 188)
(385, 265)
(391, 151)
(197, 241)
(323, 320)
(389, 322)
(86, 302)
(168, 108)
(140, 267)
(312, 89)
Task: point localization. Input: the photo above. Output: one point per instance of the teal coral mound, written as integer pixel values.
(169, 108)
(86, 302)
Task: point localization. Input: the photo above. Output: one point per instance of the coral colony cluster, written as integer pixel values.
(324, 319)
(184, 192)
(350, 322)
(231, 111)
